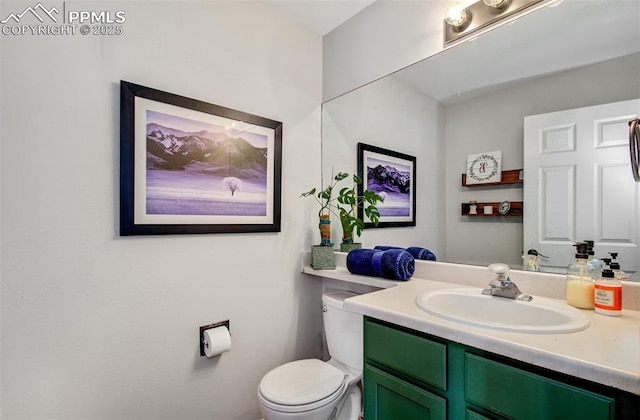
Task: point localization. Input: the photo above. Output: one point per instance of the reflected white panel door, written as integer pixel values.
(578, 184)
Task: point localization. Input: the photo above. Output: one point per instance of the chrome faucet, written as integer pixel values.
(502, 286)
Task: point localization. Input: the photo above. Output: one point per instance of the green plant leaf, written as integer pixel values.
(341, 176)
(308, 193)
(347, 196)
(373, 214)
(326, 193)
(371, 197)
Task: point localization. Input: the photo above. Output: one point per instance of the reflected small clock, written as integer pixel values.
(504, 207)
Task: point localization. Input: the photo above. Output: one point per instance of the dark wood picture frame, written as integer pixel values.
(399, 185)
(190, 192)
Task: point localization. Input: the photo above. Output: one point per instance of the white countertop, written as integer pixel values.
(607, 352)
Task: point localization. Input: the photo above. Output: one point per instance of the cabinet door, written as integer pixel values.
(517, 393)
(387, 397)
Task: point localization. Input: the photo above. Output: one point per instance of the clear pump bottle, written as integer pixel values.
(531, 260)
(617, 272)
(594, 264)
(608, 294)
(580, 280)
(615, 267)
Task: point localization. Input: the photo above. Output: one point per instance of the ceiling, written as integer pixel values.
(320, 16)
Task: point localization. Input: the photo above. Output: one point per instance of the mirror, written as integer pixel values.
(472, 98)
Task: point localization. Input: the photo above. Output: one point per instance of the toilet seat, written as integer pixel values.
(302, 385)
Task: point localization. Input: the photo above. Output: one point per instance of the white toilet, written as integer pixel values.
(311, 389)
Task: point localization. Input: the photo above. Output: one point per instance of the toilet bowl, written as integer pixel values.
(311, 389)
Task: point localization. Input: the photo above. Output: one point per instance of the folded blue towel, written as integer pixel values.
(393, 264)
(417, 252)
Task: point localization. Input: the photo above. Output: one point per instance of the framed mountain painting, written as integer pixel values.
(393, 176)
(188, 166)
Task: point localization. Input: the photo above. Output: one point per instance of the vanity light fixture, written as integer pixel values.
(496, 4)
(484, 15)
(457, 16)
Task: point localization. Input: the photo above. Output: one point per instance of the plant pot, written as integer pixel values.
(325, 230)
(346, 247)
(322, 258)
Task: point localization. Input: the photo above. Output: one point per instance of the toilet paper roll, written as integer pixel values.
(216, 341)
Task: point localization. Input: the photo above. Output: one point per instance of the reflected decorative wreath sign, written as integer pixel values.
(484, 168)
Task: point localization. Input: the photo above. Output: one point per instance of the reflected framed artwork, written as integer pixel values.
(188, 166)
(393, 176)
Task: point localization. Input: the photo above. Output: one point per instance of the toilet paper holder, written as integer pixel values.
(208, 327)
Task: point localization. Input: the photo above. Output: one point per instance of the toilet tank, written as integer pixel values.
(343, 329)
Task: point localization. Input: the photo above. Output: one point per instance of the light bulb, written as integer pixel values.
(496, 4)
(457, 15)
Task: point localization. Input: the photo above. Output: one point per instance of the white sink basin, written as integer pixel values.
(471, 307)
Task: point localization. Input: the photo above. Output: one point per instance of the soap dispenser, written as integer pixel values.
(615, 267)
(580, 280)
(594, 264)
(531, 260)
(608, 294)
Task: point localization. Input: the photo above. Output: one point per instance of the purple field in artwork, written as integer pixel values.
(199, 168)
(393, 182)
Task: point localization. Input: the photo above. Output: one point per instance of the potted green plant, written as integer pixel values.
(344, 205)
(349, 202)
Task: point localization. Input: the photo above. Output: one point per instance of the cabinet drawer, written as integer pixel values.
(387, 397)
(516, 393)
(411, 355)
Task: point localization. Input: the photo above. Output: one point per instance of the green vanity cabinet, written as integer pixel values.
(412, 375)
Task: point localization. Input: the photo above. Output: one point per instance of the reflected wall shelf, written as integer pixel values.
(515, 210)
(513, 176)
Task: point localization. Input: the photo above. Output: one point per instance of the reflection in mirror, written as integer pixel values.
(473, 98)
(580, 161)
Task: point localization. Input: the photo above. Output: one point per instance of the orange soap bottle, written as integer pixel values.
(608, 294)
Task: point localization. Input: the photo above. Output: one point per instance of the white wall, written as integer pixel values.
(387, 114)
(495, 122)
(384, 37)
(96, 326)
